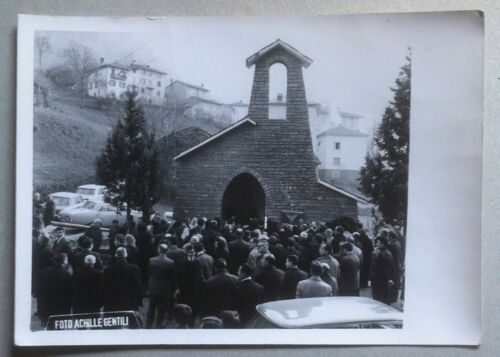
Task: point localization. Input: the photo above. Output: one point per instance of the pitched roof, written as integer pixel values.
(342, 131)
(349, 115)
(343, 191)
(189, 85)
(128, 68)
(239, 104)
(115, 65)
(192, 100)
(146, 68)
(215, 136)
(306, 61)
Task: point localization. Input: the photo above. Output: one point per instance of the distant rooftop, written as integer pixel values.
(146, 68)
(342, 131)
(189, 85)
(349, 115)
(131, 67)
(193, 99)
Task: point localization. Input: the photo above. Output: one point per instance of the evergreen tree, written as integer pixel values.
(129, 163)
(384, 177)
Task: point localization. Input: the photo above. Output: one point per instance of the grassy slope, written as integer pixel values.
(66, 141)
(71, 133)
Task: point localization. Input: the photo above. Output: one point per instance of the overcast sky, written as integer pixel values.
(355, 58)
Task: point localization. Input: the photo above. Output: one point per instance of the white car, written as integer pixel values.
(64, 200)
(89, 211)
(327, 312)
(92, 192)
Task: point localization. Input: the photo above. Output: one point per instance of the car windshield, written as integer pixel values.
(61, 201)
(89, 205)
(86, 191)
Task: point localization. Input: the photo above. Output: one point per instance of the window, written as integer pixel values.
(336, 161)
(112, 83)
(337, 146)
(277, 86)
(335, 174)
(142, 81)
(122, 84)
(159, 84)
(158, 93)
(319, 142)
(142, 90)
(90, 85)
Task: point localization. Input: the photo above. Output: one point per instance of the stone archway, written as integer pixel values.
(244, 198)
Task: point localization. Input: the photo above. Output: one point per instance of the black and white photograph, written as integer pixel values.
(219, 173)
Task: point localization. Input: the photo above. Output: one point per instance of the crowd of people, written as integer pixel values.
(209, 273)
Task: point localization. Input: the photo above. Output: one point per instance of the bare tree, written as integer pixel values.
(42, 46)
(81, 60)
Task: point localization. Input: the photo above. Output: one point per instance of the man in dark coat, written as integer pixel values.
(174, 252)
(248, 294)
(95, 233)
(362, 241)
(187, 278)
(220, 290)
(204, 261)
(56, 289)
(394, 246)
(381, 271)
(86, 249)
(144, 244)
(88, 280)
(161, 286)
(121, 284)
(61, 245)
(271, 278)
(349, 271)
(238, 252)
(292, 277)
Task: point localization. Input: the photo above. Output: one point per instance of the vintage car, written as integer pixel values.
(64, 200)
(92, 192)
(90, 210)
(327, 312)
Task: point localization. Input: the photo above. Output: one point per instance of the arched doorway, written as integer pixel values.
(244, 199)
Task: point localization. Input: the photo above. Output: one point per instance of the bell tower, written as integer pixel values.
(296, 102)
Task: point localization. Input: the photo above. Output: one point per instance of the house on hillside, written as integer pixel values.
(112, 80)
(193, 101)
(261, 166)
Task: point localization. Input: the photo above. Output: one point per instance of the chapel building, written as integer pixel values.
(260, 166)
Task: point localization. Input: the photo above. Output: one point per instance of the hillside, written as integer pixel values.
(70, 133)
(66, 140)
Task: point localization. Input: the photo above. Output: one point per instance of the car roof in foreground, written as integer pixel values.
(327, 311)
(65, 194)
(91, 186)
